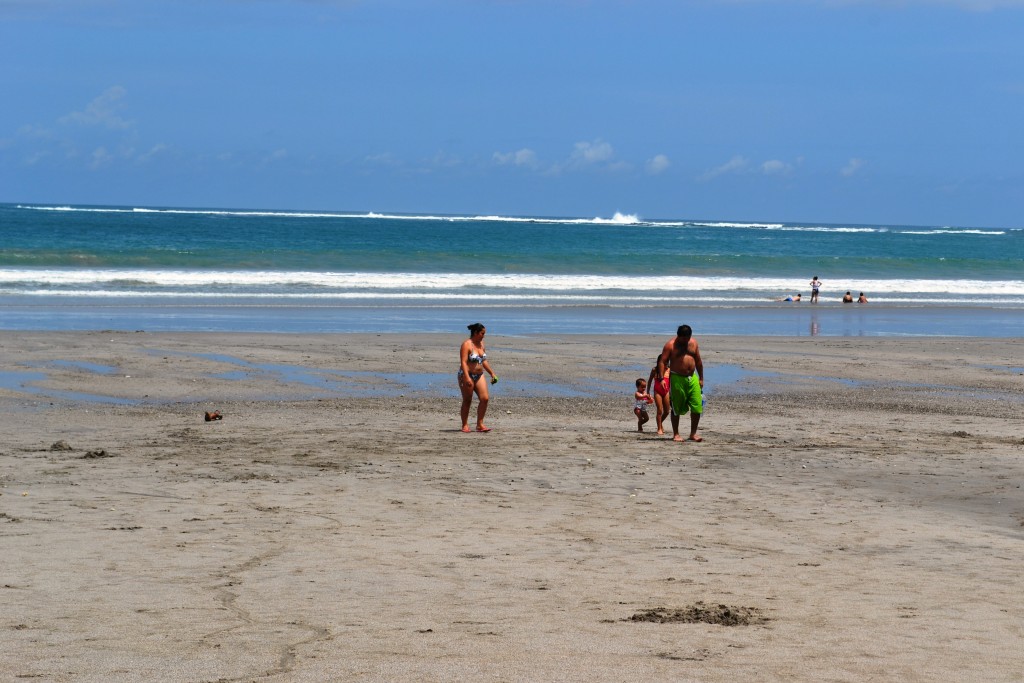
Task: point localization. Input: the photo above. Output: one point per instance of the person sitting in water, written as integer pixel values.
(862, 299)
(848, 298)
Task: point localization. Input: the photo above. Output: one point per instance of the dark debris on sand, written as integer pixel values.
(98, 453)
(700, 613)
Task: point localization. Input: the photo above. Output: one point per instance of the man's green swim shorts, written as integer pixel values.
(684, 394)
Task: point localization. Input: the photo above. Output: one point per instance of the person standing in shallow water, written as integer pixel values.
(472, 365)
(681, 355)
(815, 286)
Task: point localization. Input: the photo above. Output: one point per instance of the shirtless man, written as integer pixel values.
(681, 356)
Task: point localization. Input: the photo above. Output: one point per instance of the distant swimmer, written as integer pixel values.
(862, 299)
(848, 298)
(815, 285)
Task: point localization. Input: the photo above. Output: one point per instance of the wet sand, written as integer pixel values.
(855, 507)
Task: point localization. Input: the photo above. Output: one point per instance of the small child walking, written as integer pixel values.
(641, 400)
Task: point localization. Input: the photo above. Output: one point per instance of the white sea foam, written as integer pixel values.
(432, 296)
(437, 298)
(279, 282)
(617, 218)
(722, 224)
(827, 228)
(950, 231)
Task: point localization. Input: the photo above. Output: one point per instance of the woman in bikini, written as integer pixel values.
(659, 385)
(472, 365)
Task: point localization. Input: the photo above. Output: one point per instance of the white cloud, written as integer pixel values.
(852, 167)
(102, 111)
(383, 159)
(522, 157)
(974, 5)
(592, 152)
(776, 167)
(588, 155)
(735, 165)
(658, 164)
(440, 161)
(444, 160)
(34, 132)
(966, 5)
(36, 157)
(101, 157)
(153, 151)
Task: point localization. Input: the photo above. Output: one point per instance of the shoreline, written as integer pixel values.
(775, 319)
(859, 497)
(116, 368)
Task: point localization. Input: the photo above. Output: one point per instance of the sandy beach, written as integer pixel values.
(854, 512)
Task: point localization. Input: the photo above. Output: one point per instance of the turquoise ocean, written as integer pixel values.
(173, 269)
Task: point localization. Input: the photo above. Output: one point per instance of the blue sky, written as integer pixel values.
(792, 110)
